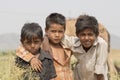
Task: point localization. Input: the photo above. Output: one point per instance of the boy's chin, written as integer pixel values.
(34, 52)
(55, 42)
(86, 46)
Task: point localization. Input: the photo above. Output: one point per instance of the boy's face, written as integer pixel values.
(55, 33)
(33, 45)
(87, 37)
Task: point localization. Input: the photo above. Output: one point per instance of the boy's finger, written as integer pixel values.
(34, 68)
(38, 68)
(40, 64)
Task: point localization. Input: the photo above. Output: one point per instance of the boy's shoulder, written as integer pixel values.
(101, 41)
(44, 55)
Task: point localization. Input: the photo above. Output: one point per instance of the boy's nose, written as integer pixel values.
(86, 37)
(32, 45)
(56, 34)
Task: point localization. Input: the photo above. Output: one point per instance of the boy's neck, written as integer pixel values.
(86, 49)
(55, 45)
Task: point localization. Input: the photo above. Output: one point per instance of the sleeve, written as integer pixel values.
(101, 59)
(24, 54)
(68, 41)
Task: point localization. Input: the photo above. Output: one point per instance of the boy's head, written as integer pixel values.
(55, 18)
(31, 37)
(55, 27)
(87, 30)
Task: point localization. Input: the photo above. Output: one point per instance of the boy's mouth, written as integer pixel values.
(87, 43)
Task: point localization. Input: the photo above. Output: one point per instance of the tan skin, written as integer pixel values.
(87, 38)
(33, 47)
(55, 34)
(36, 64)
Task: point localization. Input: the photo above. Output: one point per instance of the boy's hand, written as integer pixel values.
(36, 64)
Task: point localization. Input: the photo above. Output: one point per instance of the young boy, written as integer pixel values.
(55, 29)
(31, 39)
(89, 49)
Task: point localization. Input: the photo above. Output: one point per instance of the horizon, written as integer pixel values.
(14, 13)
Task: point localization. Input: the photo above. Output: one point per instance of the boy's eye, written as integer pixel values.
(81, 34)
(27, 42)
(36, 42)
(60, 31)
(90, 34)
(53, 31)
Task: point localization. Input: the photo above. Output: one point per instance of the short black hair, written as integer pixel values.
(31, 30)
(56, 18)
(86, 21)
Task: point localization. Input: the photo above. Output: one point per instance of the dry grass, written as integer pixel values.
(8, 71)
(115, 54)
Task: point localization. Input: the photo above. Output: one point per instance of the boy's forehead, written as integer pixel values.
(31, 38)
(87, 28)
(56, 25)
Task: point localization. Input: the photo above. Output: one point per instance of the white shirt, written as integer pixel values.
(92, 62)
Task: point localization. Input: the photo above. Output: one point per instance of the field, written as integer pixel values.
(115, 54)
(8, 71)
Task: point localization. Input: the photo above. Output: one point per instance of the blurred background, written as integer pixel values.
(14, 13)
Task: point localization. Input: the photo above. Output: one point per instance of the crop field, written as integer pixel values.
(8, 70)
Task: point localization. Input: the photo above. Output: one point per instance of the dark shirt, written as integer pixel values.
(48, 69)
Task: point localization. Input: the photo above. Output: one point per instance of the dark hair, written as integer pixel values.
(86, 21)
(30, 31)
(55, 18)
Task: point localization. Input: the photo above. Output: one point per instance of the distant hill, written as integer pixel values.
(11, 41)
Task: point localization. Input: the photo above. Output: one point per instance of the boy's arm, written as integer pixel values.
(35, 63)
(101, 67)
(69, 41)
(24, 54)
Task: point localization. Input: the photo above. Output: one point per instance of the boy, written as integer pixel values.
(31, 39)
(55, 29)
(89, 49)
